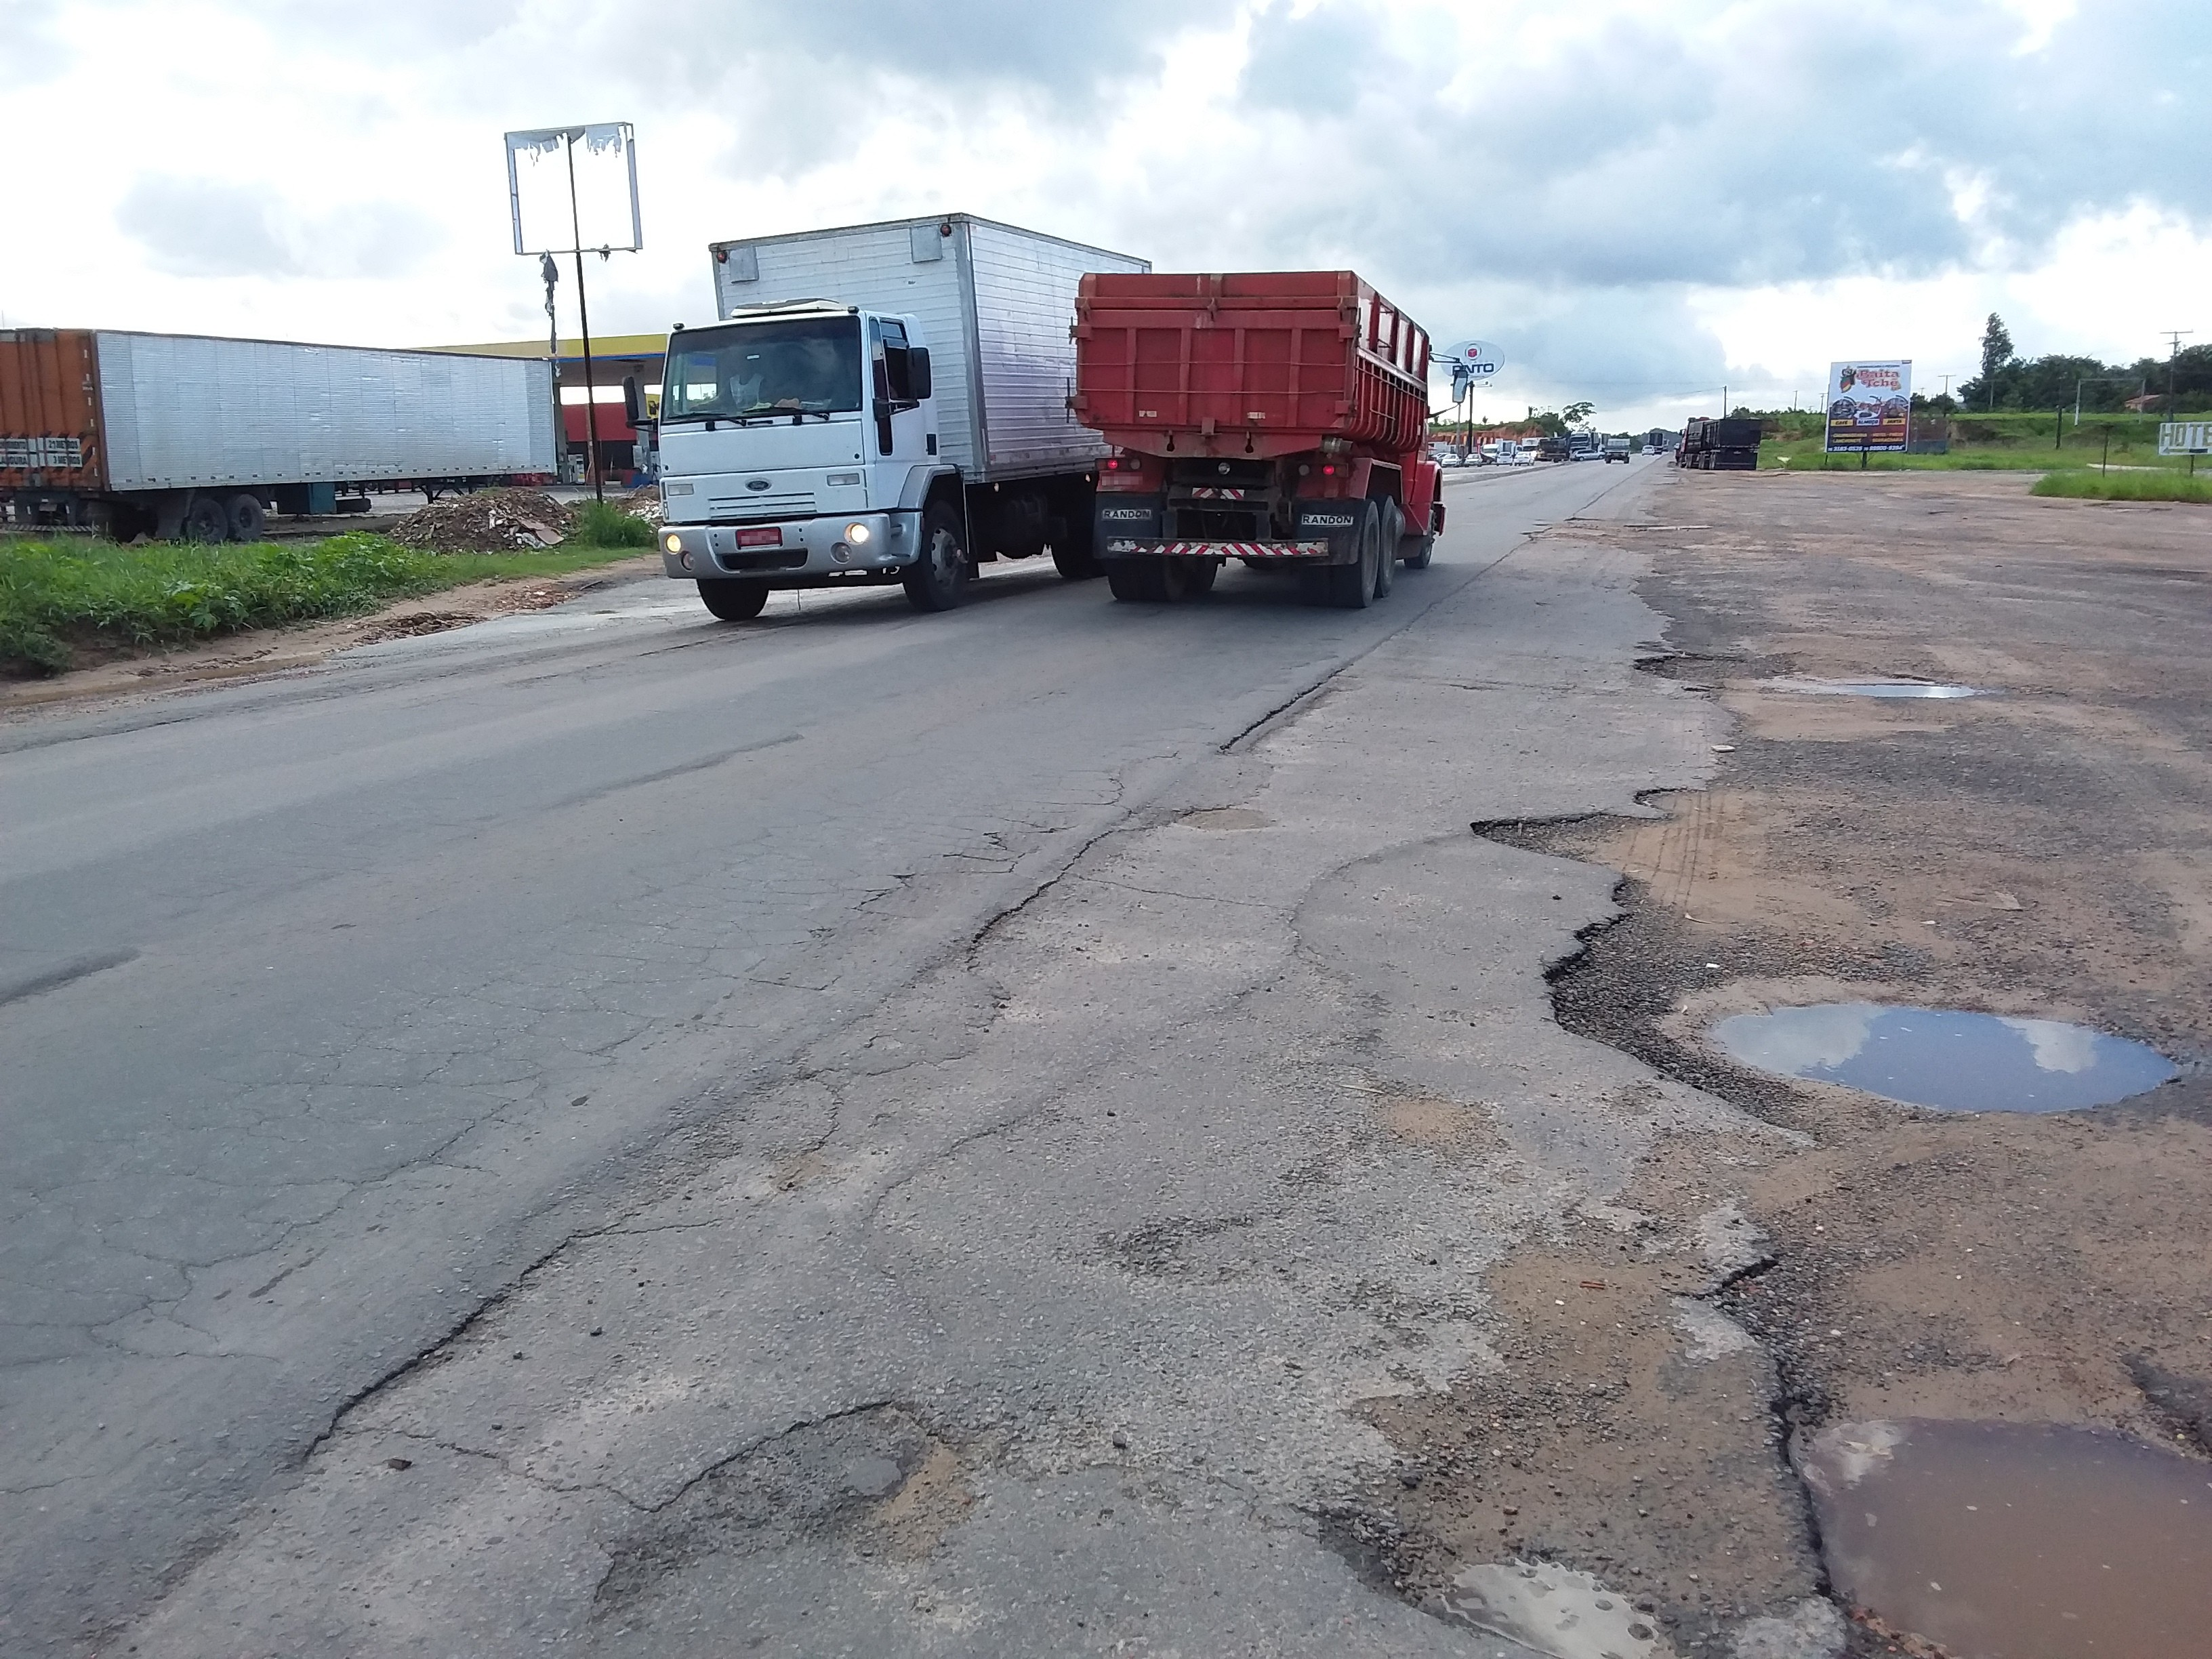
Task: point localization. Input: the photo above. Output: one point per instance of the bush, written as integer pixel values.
(602, 524)
(2082, 484)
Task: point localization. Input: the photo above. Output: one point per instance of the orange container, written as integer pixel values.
(50, 426)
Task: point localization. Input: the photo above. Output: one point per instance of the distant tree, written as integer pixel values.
(1997, 347)
(1576, 414)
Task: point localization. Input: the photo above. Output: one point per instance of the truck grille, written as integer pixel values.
(739, 509)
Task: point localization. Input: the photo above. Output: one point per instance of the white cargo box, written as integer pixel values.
(995, 303)
(189, 411)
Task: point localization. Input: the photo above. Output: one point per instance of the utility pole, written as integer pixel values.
(2174, 337)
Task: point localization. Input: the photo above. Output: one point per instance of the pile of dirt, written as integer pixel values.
(488, 521)
(645, 503)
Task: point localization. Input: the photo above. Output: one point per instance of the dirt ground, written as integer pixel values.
(123, 672)
(2046, 852)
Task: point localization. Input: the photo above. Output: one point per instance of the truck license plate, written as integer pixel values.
(772, 536)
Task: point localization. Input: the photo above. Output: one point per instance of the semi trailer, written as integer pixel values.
(1720, 445)
(1278, 418)
(878, 403)
(191, 437)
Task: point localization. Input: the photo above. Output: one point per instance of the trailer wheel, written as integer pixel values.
(246, 519)
(1385, 549)
(939, 578)
(1072, 550)
(1125, 579)
(734, 601)
(1199, 575)
(204, 520)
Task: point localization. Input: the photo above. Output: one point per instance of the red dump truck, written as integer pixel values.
(1277, 417)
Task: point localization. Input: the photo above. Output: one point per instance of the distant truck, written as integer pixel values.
(1276, 417)
(1729, 445)
(878, 403)
(1554, 449)
(1618, 448)
(189, 437)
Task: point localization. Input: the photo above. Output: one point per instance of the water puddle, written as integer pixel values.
(2011, 1541)
(1878, 689)
(1946, 1059)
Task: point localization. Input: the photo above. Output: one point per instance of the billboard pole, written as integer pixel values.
(584, 318)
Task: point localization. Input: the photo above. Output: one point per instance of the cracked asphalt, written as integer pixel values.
(863, 1133)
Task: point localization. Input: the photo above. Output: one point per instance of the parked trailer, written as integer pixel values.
(884, 403)
(1729, 445)
(1275, 417)
(190, 437)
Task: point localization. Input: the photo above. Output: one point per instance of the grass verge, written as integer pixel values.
(55, 595)
(2080, 484)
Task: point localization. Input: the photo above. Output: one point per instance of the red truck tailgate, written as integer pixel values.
(1251, 362)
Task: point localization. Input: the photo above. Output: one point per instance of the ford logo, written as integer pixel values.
(757, 484)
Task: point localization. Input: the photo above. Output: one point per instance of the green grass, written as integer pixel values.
(602, 524)
(1999, 442)
(2082, 484)
(57, 593)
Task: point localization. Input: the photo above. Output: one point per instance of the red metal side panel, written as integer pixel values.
(1265, 363)
(49, 410)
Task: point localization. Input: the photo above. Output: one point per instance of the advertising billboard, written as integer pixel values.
(1870, 406)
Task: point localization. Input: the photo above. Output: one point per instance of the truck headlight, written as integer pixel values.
(672, 542)
(857, 534)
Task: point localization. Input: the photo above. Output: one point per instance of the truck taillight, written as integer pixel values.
(1124, 464)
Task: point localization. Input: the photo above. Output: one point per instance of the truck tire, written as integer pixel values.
(1073, 552)
(1199, 575)
(939, 579)
(734, 601)
(1351, 586)
(1148, 581)
(204, 520)
(247, 519)
(1415, 551)
(1385, 549)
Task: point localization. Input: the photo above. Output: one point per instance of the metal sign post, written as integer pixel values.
(602, 138)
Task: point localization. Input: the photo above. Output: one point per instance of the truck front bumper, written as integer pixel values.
(807, 552)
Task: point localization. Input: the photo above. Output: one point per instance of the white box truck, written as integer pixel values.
(878, 403)
(186, 435)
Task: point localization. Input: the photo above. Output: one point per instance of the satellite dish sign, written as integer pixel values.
(1476, 359)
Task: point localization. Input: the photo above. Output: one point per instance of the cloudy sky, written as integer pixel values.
(1637, 202)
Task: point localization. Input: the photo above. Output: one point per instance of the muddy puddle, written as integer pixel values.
(1878, 689)
(2013, 1541)
(1946, 1059)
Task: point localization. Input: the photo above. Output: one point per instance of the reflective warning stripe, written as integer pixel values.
(1222, 550)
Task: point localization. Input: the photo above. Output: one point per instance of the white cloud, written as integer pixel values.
(1638, 206)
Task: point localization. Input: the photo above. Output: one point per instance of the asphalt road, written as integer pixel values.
(417, 1006)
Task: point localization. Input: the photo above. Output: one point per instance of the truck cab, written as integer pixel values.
(798, 448)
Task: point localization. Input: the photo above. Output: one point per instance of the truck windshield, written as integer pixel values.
(806, 365)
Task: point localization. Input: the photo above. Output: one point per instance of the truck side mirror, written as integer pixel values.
(917, 372)
(633, 402)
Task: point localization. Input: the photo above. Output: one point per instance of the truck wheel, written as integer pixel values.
(1125, 579)
(246, 519)
(1074, 563)
(939, 578)
(1199, 575)
(204, 520)
(734, 601)
(1351, 586)
(1385, 549)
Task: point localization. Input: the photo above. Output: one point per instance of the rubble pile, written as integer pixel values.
(487, 521)
(645, 503)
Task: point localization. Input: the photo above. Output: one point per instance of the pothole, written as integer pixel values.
(2030, 1540)
(1946, 1059)
(1878, 689)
